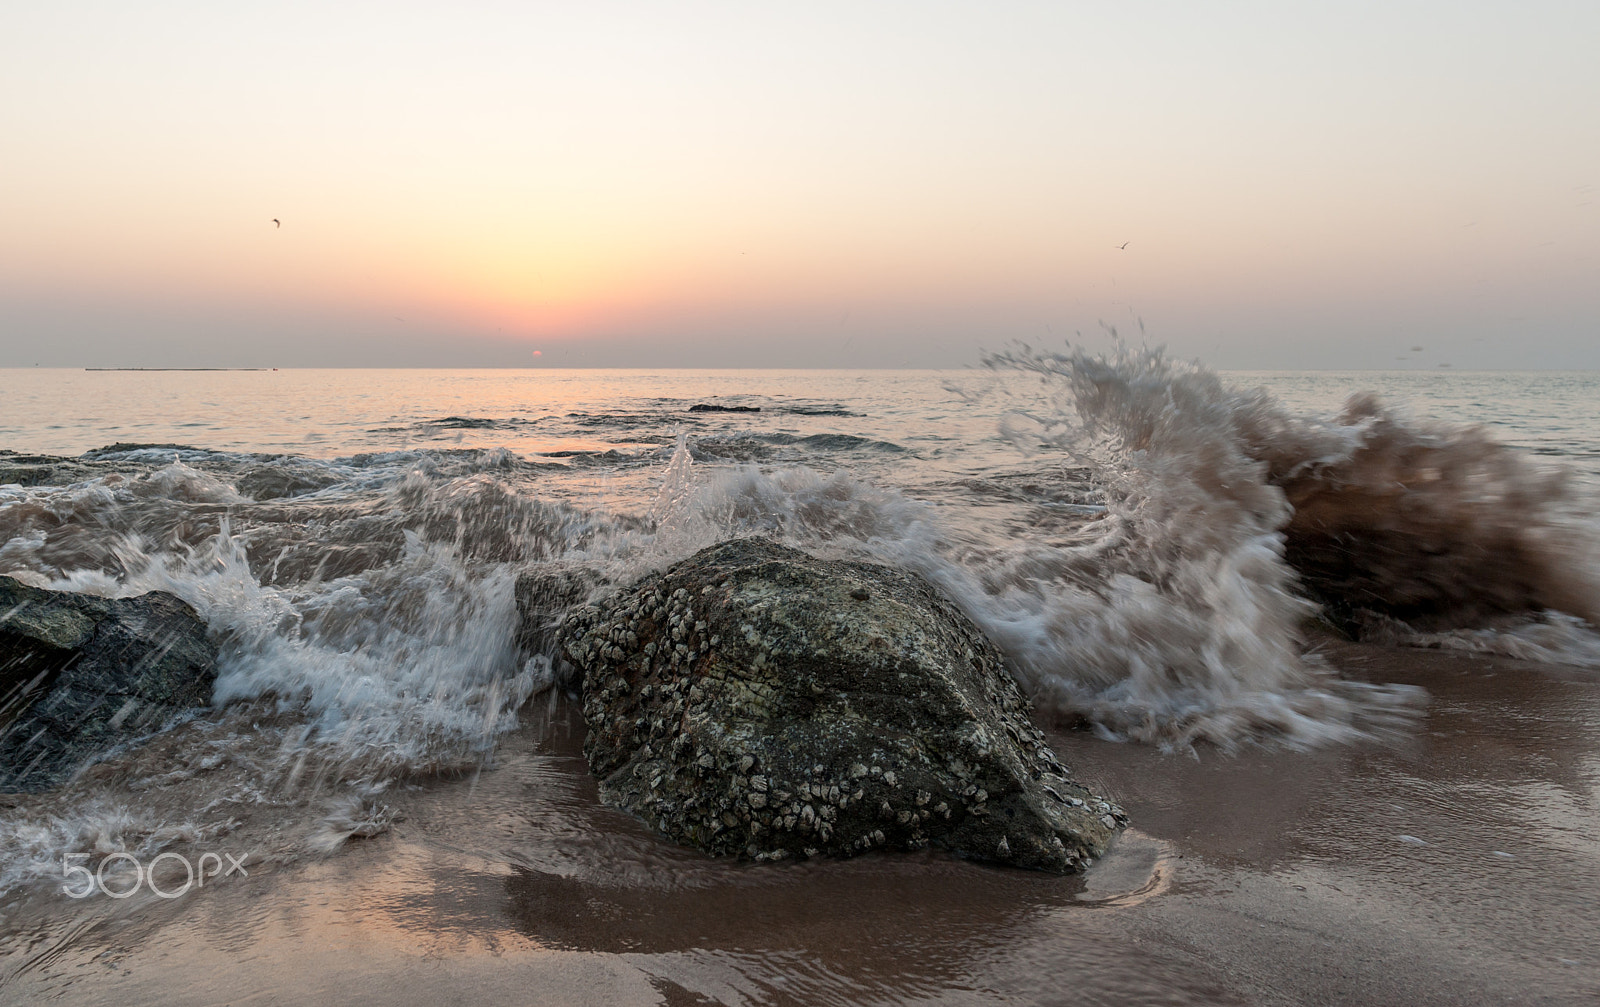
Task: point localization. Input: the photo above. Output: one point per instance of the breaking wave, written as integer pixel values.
(1177, 610)
(1147, 544)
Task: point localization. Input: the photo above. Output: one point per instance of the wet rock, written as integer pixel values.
(24, 475)
(125, 447)
(53, 470)
(41, 470)
(283, 477)
(80, 674)
(544, 597)
(703, 407)
(750, 701)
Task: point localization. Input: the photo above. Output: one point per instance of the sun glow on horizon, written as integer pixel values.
(908, 182)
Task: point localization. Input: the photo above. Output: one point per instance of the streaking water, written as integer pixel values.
(351, 539)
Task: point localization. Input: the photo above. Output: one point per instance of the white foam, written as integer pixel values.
(379, 610)
(1173, 620)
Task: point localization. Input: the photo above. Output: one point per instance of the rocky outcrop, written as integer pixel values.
(755, 701)
(80, 674)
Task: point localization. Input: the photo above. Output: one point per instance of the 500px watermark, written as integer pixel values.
(84, 882)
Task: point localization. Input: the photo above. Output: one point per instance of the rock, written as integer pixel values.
(125, 447)
(52, 470)
(702, 407)
(544, 597)
(755, 701)
(80, 674)
(24, 475)
(283, 477)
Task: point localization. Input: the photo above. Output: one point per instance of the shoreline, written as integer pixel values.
(1267, 877)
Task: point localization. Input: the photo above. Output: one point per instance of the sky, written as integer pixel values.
(819, 184)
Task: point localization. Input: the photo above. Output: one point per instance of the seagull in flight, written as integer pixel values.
(1125, 244)
(275, 220)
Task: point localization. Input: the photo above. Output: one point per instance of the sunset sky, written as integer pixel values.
(818, 184)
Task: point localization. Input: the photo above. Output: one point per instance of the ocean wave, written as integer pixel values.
(1183, 617)
(1439, 527)
(757, 446)
(1149, 561)
(469, 423)
(1178, 615)
(1213, 652)
(627, 420)
(830, 409)
(377, 628)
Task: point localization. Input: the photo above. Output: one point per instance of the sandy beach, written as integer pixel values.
(1457, 867)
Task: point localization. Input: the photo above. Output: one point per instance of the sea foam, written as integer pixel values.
(1152, 548)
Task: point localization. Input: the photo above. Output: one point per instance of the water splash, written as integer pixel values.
(1154, 579)
(671, 507)
(392, 654)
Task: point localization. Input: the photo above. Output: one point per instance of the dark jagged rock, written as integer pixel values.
(80, 674)
(54, 470)
(755, 701)
(703, 407)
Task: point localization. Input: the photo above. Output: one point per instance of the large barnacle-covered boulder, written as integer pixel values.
(80, 674)
(753, 700)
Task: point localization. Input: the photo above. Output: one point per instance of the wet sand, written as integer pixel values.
(1461, 866)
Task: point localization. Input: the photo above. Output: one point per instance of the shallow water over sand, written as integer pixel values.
(1458, 867)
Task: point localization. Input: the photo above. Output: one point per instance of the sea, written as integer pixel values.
(1113, 520)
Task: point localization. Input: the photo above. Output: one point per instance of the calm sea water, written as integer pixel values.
(333, 413)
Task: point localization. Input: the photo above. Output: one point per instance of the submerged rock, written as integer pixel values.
(42, 470)
(283, 477)
(80, 674)
(755, 701)
(15, 474)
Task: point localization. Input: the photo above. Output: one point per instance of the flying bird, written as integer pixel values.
(275, 220)
(1125, 244)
